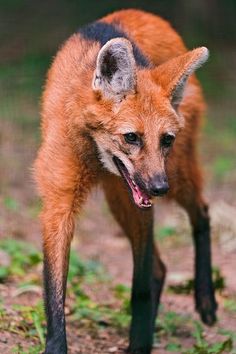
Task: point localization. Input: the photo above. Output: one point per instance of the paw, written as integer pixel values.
(207, 309)
(208, 317)
(56, 347)
(138, 350)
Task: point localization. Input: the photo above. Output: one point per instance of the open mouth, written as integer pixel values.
(141, 199)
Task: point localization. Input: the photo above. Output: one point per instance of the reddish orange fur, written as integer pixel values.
(67, 98)
(67, 166)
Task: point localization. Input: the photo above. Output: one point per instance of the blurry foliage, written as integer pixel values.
(20, 88)
(91, 270)
(188, 286)
(164, 232)
(169, 323)
(198, 21)
(22, 257)
(230, 305)
(223, 165)
(203, 347)
(173, 347)
(11, 204)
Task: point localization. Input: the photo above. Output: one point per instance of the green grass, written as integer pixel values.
(28, 322)
(203, 347)
(170, 324)
(23, 256)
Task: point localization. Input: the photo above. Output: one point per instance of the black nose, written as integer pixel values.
(158, 185)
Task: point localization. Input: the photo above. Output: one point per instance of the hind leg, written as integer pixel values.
(189, 196)
(148, 269)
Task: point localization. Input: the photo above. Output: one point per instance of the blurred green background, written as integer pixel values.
(30, 34)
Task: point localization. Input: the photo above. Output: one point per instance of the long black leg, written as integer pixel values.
(141, 300)
(148, 270)
(204, 290)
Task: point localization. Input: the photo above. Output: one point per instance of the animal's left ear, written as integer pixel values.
(115, 74)
(173, 74)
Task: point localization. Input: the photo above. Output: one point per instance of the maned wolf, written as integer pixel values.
(121, 108)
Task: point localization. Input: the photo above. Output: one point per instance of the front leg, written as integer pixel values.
(204, 289)
(58, 231)
(148, 271)
(142, 303)
(61, 182)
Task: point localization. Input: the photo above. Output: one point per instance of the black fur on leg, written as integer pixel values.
(141, 331)
(54, 299)
(157, 287)
(204, 290)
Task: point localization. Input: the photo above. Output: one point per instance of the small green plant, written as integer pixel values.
(122, 291)
(11, 204)
(230, 305)
(88, 270)
(103, 315)
(173, 347)
(170, 322)
(229, 334)
(28, 322)
(185, 288)
(164, 232)
(32, 320)
(36, 349)
(121, 317)
(22, 257)
(188, 286)
(218, 279)
(202, 347)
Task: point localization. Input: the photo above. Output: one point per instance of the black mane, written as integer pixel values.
(103, 32)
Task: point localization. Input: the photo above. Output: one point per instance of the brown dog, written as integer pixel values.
(121, 108)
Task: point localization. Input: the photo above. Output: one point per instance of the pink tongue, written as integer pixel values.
(140, 197)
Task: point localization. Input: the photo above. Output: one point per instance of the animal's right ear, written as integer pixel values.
(115, 74)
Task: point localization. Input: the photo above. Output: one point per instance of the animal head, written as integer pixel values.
(137, 117)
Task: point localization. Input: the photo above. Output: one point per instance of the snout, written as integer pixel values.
(158, 185)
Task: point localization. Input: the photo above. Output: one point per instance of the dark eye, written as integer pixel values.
(132, 138)
(167, 140)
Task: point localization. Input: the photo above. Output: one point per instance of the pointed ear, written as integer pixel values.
(115, 74)
(173, 74)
